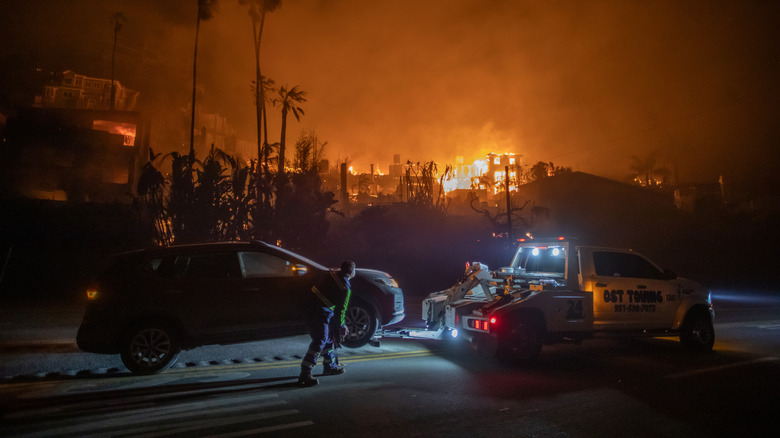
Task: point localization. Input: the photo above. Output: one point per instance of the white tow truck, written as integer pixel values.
(557, 291)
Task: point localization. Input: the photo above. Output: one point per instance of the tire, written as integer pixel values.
(149, 349)
(361, 321)
(522, 343)
(697, 333)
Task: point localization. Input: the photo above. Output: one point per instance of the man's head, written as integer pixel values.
(348, 269)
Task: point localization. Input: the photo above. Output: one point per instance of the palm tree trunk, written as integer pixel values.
(194, 86)
(282, 137)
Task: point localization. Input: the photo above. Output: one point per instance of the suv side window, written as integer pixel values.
(213, 265)
(617, 264)
(260, 264)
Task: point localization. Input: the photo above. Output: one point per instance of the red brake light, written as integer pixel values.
(493, 320)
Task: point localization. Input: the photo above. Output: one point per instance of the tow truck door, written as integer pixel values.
(629, 292)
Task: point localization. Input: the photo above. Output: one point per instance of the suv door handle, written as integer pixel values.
(641, 286)
(601, 284)
(173, 291)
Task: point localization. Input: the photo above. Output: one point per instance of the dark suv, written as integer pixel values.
(151, 304)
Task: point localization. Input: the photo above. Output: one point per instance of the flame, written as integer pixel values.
(127, 130)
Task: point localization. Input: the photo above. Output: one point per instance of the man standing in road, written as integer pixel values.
(325, 317)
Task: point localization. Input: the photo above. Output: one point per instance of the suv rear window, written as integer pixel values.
(209, 265)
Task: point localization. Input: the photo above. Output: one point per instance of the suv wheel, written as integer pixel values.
(149, 349)
(361, 322)
(697, 333)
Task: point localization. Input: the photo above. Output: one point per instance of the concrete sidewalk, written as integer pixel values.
(39, 326)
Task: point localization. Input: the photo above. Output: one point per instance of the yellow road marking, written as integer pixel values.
(292, 363)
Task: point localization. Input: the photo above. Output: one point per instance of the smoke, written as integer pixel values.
(582, 84)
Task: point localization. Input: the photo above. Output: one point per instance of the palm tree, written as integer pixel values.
(206, 10)
(644, 169)
(257, 11)
(118, 19)
(288, 100)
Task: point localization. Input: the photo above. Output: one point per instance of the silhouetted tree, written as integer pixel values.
(289, 100)
(267, 91)
(206, 10)
(152, 203)
(257, 11)
(308, 151)
(542, 170)
(645, 169)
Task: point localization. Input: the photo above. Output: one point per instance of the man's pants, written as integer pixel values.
(319, 323)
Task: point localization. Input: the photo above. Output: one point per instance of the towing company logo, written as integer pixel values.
(633, 300)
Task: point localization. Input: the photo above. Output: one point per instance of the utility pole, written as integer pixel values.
(118, 19)
(508, 204)
(344, 194)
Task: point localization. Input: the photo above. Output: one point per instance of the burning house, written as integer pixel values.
(73, 155)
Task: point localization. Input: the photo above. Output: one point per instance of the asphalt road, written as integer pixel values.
(601, 388)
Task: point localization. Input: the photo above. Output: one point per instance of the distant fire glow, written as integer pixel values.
(466, 176)
(127, 130)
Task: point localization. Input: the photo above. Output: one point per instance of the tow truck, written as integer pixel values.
(555, 290)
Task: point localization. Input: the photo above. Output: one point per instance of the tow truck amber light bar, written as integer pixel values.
(523, 239)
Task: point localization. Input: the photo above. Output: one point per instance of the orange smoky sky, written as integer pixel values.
(585, 84)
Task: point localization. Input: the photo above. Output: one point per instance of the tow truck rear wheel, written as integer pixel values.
(521, 343)
(696, 333)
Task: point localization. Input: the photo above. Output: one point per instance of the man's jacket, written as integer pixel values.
(332, 290)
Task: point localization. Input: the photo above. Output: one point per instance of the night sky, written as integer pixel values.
(585, 84)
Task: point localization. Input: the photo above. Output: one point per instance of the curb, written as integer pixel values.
(40, 346)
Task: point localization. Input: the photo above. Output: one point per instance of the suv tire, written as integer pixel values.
(149, 348)
(361, 321)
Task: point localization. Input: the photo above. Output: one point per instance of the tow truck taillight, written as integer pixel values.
(482, 325)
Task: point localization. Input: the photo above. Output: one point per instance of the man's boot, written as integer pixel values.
(333, 369)
(305, 380)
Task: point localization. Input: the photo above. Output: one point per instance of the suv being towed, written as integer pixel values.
(151, 304)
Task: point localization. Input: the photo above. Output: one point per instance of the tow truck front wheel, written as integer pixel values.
(696, 333)
(521, 343)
